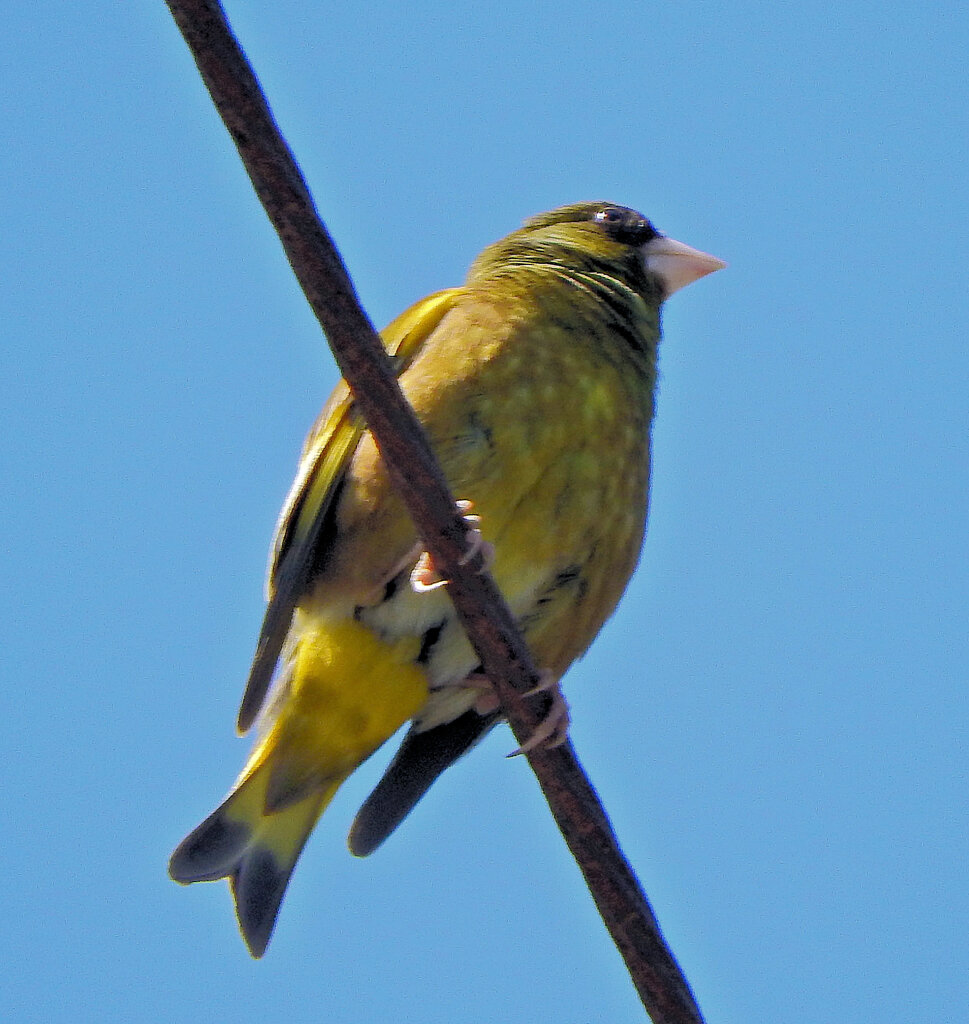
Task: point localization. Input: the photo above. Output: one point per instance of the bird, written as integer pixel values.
(535, 383)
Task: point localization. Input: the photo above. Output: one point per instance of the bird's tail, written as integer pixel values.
(346, 692)
(254, 848)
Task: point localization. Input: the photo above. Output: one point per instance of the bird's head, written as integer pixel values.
(603, 237)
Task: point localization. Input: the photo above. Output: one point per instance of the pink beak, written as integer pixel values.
(677, 264)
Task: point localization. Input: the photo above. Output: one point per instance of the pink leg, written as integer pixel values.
(553, 730)
(424, 577)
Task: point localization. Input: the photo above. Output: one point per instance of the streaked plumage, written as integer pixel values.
(535, 383)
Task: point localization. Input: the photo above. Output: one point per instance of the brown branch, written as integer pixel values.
(486, 618)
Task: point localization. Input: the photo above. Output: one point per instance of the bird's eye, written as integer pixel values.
(624, 225)
(610, 215)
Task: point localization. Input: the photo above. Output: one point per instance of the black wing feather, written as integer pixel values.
(419, 761)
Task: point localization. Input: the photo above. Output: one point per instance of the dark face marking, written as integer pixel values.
(625, 225)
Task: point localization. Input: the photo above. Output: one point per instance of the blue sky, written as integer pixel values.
(776, 718)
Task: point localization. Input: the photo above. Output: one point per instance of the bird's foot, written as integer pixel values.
(425, 577)
(553, 730)
(487, 700)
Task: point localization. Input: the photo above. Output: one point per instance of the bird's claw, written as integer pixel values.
(553, 730)
(424, 576)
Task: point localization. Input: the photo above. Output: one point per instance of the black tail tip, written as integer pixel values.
(210, 851)
(258, 885)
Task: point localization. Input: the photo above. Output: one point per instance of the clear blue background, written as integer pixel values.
(777, 716)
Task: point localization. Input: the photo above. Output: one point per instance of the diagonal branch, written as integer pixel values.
(360, 355)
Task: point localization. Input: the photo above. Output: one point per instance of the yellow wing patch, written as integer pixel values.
(336, 433)
(300, 532)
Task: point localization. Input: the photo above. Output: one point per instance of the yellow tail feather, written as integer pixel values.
(255, 850)
(348, 692)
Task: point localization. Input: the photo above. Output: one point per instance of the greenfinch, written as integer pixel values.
(535, 384)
